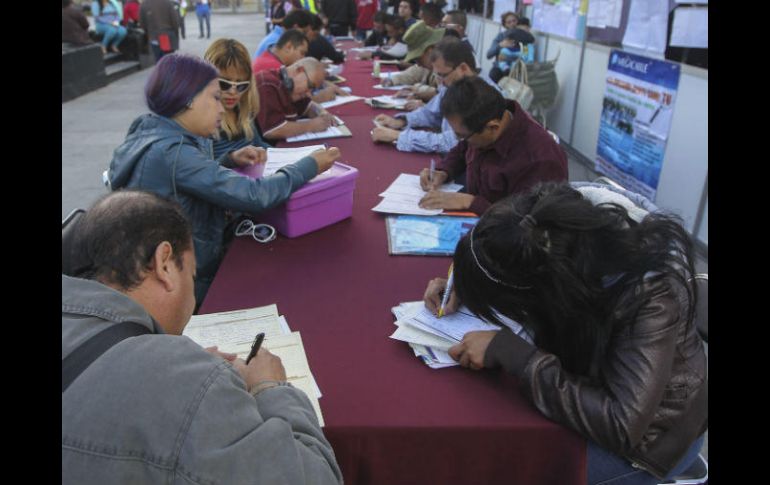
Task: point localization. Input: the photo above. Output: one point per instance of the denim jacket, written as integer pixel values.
(157, 408)
(160, 156)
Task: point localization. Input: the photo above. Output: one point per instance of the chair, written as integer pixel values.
(68, 226)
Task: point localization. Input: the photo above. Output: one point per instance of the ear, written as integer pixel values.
(494, 124)
(165, 267)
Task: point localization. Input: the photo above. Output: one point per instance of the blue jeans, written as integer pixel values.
(606, 468)
(112, 35)
(361, 34)
(206, 16)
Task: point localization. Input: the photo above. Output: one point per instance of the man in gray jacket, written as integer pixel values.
(157, 408)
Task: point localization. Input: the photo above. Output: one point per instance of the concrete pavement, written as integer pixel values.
(94, 124)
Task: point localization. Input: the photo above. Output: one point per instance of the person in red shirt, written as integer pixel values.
(291, 47)
(285, 97)
(365, 21)
(500, 149)
(131, 13)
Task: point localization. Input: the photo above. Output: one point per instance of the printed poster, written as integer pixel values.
(636, 119)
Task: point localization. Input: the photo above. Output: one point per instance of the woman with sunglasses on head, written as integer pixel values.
(240, 96)
(605, 286)
(169, 152)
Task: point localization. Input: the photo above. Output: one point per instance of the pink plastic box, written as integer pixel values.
(316, 204)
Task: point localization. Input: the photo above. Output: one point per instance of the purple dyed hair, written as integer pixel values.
(175, 81)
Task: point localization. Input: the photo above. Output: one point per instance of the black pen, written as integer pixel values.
(255, 346)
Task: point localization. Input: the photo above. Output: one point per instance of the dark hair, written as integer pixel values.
(458, 17)
(65, 3)
(396, 22)
(317, 23)
(412, 4)
(523, 21)
(295, 37)
(118, 236)
(564, 270)
(381, 16)
(452, 33)
(175, 81)
(297, 18)
(508, 14)
(474, 101)
(454, 52)
(432, 12)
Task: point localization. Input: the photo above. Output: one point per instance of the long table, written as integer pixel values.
(390, 418)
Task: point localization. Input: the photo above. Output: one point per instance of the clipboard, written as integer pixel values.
(426, 235)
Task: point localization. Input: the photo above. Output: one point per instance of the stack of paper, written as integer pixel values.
(404, 195)
(431, 337)
(233, 332)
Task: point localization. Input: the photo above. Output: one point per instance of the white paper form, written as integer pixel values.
(280, 157)
(455, 325)
(407, 333)
(292, 353)
(647, 25)
(371, 48)
(604, 13)
(230, 329)
(690, 27)
(340, 100)
(331, 132)
(433, 358)
(233, 332)
(404, 194)
(390, 88)
(391, 101)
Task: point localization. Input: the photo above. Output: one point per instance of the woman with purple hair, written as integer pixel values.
(169, 152)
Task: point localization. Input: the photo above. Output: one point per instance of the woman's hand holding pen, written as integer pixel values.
(433, 294)
(470, 352)
(324, 158)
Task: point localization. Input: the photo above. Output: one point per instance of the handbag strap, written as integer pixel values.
(83, 356)
(519, 71)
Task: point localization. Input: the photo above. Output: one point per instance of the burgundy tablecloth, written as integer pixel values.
(390, 418)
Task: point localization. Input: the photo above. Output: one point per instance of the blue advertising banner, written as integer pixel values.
(636, 118)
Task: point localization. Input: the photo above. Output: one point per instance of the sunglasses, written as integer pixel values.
(226, 85)
(263, 233)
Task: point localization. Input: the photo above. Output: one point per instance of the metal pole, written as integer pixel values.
(577, 87)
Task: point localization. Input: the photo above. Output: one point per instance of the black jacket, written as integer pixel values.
(649, 402)
(340, 12)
